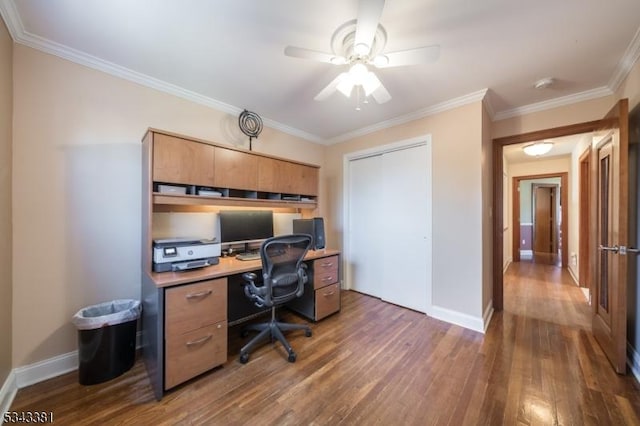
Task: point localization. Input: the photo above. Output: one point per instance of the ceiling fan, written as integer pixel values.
(359, 44)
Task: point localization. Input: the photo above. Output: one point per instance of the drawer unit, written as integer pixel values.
(321, 297)
(327, 301)
(325, 271)
(195, 329)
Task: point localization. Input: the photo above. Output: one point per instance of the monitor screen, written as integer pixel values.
(241, 226)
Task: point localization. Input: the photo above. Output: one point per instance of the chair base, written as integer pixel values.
(273, 330)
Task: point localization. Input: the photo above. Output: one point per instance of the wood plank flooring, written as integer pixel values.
(376, 363)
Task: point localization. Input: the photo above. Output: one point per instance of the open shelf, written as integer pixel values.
(166, 201)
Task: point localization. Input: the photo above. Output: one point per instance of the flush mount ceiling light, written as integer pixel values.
(538, 148)
(543, 83)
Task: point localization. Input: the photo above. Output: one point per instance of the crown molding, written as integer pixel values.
(11, 19)
(416, 115)
(629, 59)
(554, 103)
(19, 35)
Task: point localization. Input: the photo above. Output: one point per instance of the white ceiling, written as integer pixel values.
(562, 146)
(229, 53)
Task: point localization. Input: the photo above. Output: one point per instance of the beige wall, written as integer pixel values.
(487, 212)
(457, 200)
(6, 114)
(77, 201)
(580, 112)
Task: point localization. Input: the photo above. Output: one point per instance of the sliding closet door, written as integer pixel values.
(407, 259)
(389, 226)
(366, 225)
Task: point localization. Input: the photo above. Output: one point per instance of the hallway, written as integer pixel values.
(558, 371)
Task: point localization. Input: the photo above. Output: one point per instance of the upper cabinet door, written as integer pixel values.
(286, 177)
(177, 160)
(235, 169)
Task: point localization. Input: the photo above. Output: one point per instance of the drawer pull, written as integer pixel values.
(199, 294)
(199, 341)
(326, 264)
(331, 293)
(327, 278)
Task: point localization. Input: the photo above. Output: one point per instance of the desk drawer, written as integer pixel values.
(193, 353)
(192, 306)
(325, 271)
(327, 301)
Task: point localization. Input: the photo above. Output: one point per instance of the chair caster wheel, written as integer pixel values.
(308, 333)
(292, 356)
(244, 358)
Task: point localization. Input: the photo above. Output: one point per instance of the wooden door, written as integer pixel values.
(584, 263)
(235, 169)
(611, 235)
(543, 221)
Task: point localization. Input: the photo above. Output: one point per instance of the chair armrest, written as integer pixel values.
(250, 277)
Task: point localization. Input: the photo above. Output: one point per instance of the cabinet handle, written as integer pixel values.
(327, 278)
(199, 294)
(331, 293)
(200, 340)
(326, 264)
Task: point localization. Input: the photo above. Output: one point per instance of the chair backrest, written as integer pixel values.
(283, 270)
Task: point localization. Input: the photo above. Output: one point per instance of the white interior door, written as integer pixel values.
(365, 225)
(389, 226)
(407, 257)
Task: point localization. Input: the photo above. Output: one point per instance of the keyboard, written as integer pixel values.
(248, 256)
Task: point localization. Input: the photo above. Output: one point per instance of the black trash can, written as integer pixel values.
(106, 340)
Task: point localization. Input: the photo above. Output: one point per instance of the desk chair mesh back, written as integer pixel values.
(284, 276)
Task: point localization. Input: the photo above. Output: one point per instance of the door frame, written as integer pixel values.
(564, 201)
(498, 192)
(584, 221)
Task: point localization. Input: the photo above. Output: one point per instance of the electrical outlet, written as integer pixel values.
(523, 242)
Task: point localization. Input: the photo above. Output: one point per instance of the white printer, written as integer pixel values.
(181, 254)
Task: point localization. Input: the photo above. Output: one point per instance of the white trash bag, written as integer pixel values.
(108, 313)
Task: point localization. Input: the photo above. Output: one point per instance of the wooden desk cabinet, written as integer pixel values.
(322, 293)
(195, 329)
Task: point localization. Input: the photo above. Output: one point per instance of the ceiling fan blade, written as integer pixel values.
(381, 95)
(369, 12)
(419, 56)
(330, 88)
(314, 55)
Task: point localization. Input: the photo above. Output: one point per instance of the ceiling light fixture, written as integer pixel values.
(358, 75)
(538, 148)
(543, 83)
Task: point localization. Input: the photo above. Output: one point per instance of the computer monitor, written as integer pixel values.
(245, 226)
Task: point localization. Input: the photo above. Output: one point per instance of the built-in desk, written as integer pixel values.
(185, 315)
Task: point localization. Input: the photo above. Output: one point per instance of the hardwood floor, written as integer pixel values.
(376, 363)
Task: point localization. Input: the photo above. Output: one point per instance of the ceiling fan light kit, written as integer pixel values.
(359, 43)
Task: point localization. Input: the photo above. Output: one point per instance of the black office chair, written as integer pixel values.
(283, 278)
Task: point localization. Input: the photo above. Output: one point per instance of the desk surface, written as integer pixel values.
(227, 266)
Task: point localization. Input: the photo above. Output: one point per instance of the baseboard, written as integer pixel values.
(47, 369)
(506, 265)
(573, 275)
(488, 314)
(53, 367)
(7, 393)
(457, 318)
(633, 361)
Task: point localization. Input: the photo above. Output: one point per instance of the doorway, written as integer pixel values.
(551, 239)
(498, 199)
